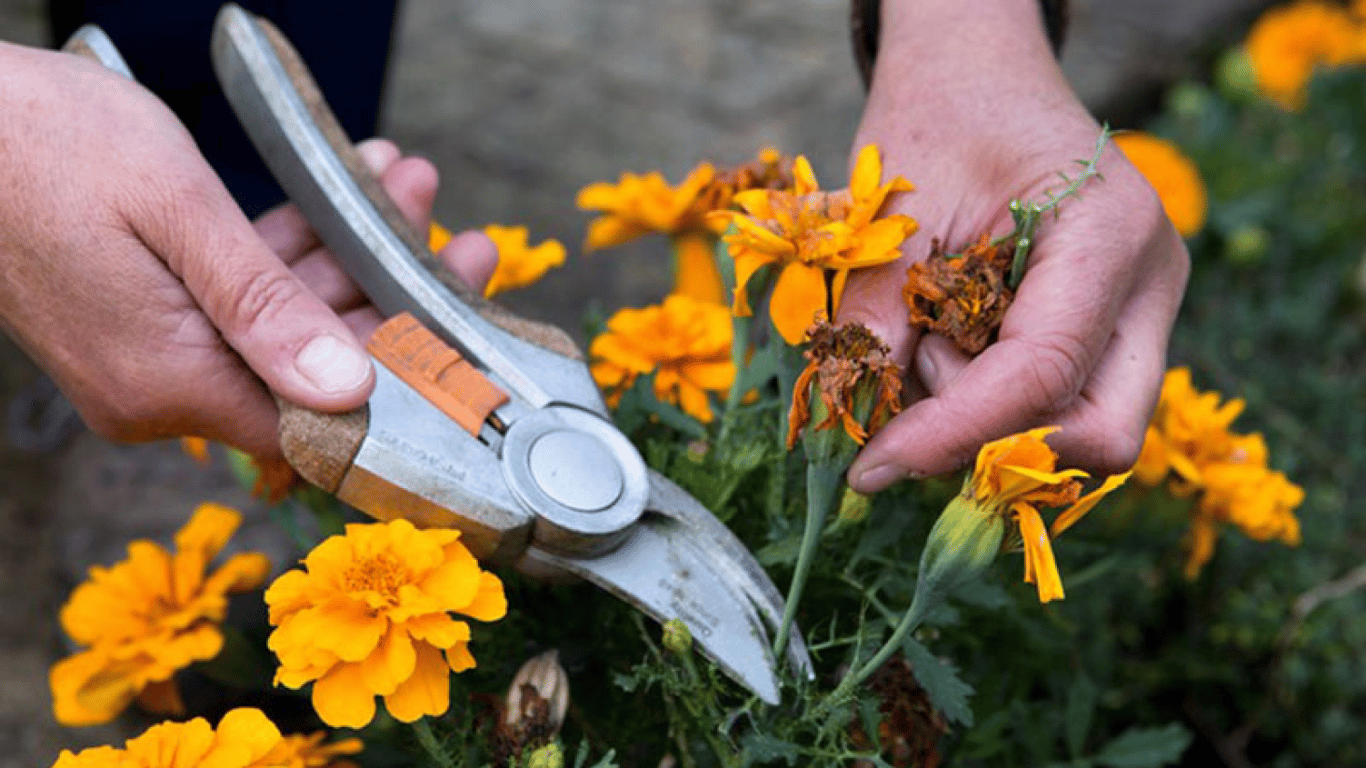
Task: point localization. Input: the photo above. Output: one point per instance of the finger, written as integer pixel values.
(472, 256)
(283, 332)
(1050, 342)
(363, 321)
(938, 363)
(873, 297)
(412, 183)
(320, 272)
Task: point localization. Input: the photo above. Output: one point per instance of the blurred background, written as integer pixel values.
(519, 103)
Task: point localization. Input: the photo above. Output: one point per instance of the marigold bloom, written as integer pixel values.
(370, 616)
(311, 751)
(1016, 475)
(1189, 446)
(1287, 43)
(1174, 176)
(143, 619)
(684, 342)
(963, 298)
(849, 378)
(519, 264)
(804, 232)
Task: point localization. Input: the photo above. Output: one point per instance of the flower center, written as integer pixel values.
(382, 573)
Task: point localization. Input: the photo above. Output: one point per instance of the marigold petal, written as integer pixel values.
(799, 297)
(241, 572)
(438, 629)
(391, 663)
(459, 658)
(1201, 539)
(171, 745)
(290, 592)
(1083, 505)
(342, 626)
(746, 264)
(804, 179)
(1041, 569)
(209, 528)
(695, 272)
(89, 689)
(248, 730)
(490, 602)
(456, 581)
(341, 699)
(426, 692)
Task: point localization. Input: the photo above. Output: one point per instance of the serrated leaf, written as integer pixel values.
(947, 692)
(764, 748)
(781, 552)
(1081, 708)
(1145, 747)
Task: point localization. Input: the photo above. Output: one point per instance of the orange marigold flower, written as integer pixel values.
(520, 264)
(244, 738)
(1287, 43)
(370, 616)
(805, 233)
(1016, 475)
(849, 380)
(1190, 447)
(961, 297)
(143, 619)
(684, 342)
(1174, 176)
(196, 448)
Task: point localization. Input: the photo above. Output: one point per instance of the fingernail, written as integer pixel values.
(374, 153)
(878, 476)
(332, 365)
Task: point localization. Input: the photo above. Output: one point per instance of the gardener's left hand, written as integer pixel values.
(968, 103)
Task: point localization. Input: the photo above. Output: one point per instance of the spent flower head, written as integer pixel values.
(370, 615)
(847, 391)
(961, 297)
(149, 616)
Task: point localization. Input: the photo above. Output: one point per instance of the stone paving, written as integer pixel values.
(519, 103)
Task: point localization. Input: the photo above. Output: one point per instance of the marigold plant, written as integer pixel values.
(244, 738)
(1172, 174)
(1288, 43)
(805, 233)
(1190, 448)
(684, 342)
(370, 616)
(147, 617)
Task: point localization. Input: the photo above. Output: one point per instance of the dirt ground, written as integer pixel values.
(519, 103)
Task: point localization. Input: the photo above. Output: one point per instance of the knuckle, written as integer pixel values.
(1054, 373)
(258, 298)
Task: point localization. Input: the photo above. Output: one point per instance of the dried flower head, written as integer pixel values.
(849, 382)
(961, 297)
(911, 727)
(534, 707)
(1172, 174)
(804, 233)
(1287, 43)
(370, 616)
(684, 342)
(244, 738)
(1191, 449)
(147, 617)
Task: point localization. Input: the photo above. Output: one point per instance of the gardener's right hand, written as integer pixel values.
(128, 273)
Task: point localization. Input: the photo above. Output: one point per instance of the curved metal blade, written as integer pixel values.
(91, 42)
(665, 571)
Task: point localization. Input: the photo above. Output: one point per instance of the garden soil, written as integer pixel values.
(519, 103)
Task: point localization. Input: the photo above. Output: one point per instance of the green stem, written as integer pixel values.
(739, 347)
(921, 605)
(823, 483)
(432, 745)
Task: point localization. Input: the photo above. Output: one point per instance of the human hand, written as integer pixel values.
(128, 273)
(968, 103)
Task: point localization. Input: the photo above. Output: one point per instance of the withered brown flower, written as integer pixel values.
(911, 727)
(849, 381)
(961, 297)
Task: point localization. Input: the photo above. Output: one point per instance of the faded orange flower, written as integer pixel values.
(244, 738)
(1289, 42)
(1016, 475)
(370, 616)
(684, 342)
(520, 264)
(147, 617)
(804, 233)
(849, 380)
(1172, 174)
(962, 297)
(1190, 447)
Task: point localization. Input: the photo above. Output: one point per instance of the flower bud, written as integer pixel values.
(1235, 76)
(538, 697)
(854, 506)
(677, 637)
(549, 756)
(1247, 245)
(962, 544)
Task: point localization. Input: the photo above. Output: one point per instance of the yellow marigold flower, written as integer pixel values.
(1189, 446)
(370, 616)
(520, 264)
(684, 342)
(143, 619)
(1288, 43)
(244, 738)
(805, 232)
(1174, 176)
(1016, 475)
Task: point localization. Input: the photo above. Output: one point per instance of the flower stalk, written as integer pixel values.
(432, 745)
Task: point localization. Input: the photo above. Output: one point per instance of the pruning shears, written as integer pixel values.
(481, 420)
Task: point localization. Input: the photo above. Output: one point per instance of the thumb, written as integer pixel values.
(873, 297)
(284, 333)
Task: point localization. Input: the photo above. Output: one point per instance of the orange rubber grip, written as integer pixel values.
(439, 373)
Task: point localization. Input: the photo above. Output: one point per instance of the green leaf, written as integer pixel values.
(780, 552)
(1145, 747)
(1081, 708)
(947, 692)
(764, 748)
